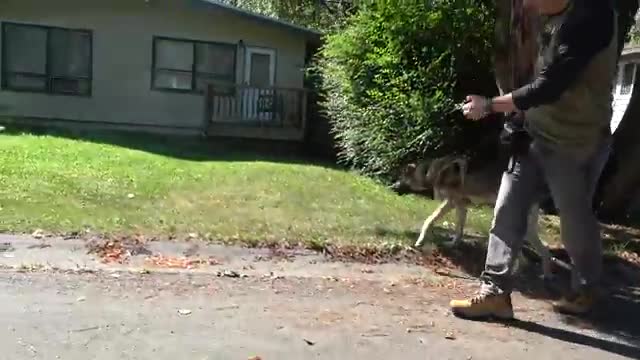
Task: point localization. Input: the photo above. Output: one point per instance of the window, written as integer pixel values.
(186, 65)
(46, 59)
(628, 72)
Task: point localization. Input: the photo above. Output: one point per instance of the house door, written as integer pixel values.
(260, 71)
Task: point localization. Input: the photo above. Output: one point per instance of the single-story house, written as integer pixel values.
(625, 81)
(180, 66)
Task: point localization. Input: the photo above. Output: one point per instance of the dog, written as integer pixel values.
(450, 179)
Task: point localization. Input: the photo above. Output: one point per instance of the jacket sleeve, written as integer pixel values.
(588, 29)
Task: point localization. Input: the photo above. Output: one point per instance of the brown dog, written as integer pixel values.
(450, 179)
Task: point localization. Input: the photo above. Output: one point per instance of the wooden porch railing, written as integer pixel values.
(246, 111)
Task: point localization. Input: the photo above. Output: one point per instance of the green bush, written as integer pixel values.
(391, 78)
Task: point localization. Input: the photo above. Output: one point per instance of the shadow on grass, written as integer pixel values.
(617, 315)
(193, 148)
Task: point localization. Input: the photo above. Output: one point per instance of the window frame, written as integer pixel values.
(194, 65)
(626, 90)
(48, 70)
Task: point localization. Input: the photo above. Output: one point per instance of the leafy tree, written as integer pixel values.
(322, 15)
(392, 76)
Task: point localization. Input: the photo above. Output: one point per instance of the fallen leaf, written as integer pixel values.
(39, 246)
(229, 273)
(418, 328)
(275, 277)
(117, 250)
(184, 312)
(309, 342)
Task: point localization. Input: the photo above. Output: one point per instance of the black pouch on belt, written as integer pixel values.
(515, 138)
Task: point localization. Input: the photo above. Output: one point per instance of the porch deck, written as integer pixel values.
(274, 113)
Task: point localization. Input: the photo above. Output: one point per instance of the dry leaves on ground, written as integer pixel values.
(112, 252)
(118, 250)
(179, 262)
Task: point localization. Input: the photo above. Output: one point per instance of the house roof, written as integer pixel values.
(630, 53)
(262, 18)
(630, 50)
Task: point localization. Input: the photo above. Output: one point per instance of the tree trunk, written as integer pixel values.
(619, 181)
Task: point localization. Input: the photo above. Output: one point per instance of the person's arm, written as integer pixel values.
(588, 30)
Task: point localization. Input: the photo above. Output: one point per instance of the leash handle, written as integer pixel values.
(459, 106)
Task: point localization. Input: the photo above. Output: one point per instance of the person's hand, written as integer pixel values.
(476, 107)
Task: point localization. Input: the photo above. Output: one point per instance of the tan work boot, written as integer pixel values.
(578, 304)
(484, 306)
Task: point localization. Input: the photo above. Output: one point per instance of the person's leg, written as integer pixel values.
(571, 177)
(533, 237)
(598, 163)
(515, 197)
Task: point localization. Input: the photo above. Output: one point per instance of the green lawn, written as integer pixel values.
(173, 187)
(177, 186)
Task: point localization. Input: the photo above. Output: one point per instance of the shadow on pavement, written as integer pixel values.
(629, 351)
(617, 317)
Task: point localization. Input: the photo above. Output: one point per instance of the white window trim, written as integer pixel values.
(264, 51)
(621, 67)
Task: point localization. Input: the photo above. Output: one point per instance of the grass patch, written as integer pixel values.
(169, 187)
(166, 187)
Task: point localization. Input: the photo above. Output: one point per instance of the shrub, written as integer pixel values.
(392, 76)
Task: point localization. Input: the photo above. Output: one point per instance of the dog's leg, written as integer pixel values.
(534, 239)
(442, 210)
(461, 210)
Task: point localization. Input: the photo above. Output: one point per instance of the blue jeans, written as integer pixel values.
(572, 176)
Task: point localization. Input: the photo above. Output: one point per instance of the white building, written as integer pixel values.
(623, 88)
